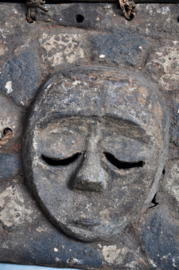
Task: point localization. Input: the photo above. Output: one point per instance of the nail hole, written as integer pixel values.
(6, 130)
(122, 164)
(163, 171)
(131, 17)
(79, 18)
(60, 162)
(178, 19)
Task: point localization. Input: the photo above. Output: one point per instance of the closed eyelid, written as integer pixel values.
(59, 148)
(60, 161)
(126, 151)
(120, 164)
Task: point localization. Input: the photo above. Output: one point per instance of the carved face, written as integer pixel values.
(94, 149)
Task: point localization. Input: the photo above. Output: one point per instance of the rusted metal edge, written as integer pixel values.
(114, 1)
(128, 7)
(97, 1)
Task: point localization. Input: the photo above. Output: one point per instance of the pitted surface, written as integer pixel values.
(147, 46)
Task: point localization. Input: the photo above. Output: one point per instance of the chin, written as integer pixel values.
(92, 234)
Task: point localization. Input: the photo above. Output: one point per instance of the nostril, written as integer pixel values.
(86, 184)
(90, 182)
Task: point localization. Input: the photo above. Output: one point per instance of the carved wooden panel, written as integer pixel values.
(89, 173)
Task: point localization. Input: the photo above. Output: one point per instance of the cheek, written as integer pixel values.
(122, 198)
(54, 176)
(51, 189)
(127, 194)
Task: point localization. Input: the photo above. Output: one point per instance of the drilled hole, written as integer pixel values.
(79, 18)
(60, 162)
(122, 164)
(7, 130)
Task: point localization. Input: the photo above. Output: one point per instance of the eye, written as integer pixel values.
(60, 162)
(123, 164)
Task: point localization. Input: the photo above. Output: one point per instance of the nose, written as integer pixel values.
(91, 176)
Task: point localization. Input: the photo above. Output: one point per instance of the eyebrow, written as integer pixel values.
(129, 127)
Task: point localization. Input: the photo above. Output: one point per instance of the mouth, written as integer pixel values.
(85, 222)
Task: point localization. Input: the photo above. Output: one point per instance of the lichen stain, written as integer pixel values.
(142, 95)
(112, 254)
(61, 48)
(8, 86)
(13, 210)
(164, 67)
(2, 48)
(172, 182)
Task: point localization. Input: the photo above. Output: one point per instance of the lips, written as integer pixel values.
(85, 222)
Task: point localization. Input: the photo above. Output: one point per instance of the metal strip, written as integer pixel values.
(96, 1)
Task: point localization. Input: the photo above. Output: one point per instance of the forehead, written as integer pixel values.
(102, 92)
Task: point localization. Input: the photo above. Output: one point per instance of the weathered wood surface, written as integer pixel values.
(148, 46)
